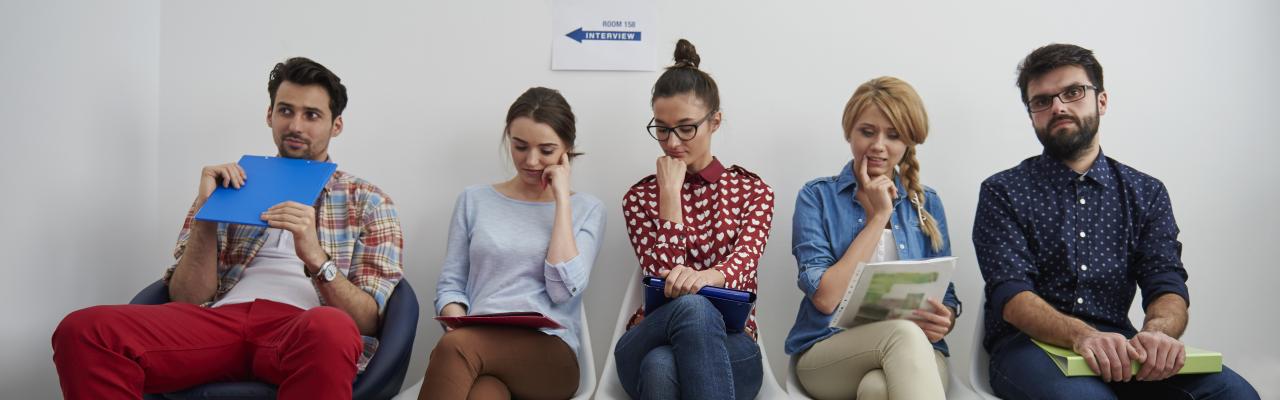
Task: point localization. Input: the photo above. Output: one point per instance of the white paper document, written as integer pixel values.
(891, 290)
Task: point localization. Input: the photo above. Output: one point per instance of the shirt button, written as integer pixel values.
(1084, 267)
(1082, 234)
(1081, 200)
(902, 246)
(1081, 178)
(859, 219)
(1079, 300)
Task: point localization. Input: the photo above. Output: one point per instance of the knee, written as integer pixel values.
(330, 326)
(89, 324)
(697, 309)
(1234, 386)
(901, 332)
(453, 343)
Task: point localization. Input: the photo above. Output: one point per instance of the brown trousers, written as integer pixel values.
(490, 362)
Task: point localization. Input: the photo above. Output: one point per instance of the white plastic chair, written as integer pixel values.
(610, 387)
(794, 390)
(586, 362)
(586, 366)
(979, 372)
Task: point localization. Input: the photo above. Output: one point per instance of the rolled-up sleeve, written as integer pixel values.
(568, 279)
(809, 243)
(1159, 268)
(1001, 246)
(376, 258)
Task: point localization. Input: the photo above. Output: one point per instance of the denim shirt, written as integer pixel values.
(827, 219)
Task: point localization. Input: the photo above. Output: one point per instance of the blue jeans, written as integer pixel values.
(681, 351)
(1020, 370)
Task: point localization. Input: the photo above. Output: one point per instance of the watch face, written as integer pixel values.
(330, 273)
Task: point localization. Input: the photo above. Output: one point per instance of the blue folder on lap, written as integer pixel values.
(268, 181)
(734, 305)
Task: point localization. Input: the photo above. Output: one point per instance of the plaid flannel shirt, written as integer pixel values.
(357, 226)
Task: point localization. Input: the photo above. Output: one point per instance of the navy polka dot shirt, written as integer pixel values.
(1079, 241)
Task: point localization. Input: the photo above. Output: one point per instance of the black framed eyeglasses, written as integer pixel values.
(685, 132)
(1069, 95)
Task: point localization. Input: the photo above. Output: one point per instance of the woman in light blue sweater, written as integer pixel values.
(527, 244)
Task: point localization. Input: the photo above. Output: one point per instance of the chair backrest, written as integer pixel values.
(586, 361)
(794, 390)
(610, 388)
(385, 373)
(769, 388)
(979, 372)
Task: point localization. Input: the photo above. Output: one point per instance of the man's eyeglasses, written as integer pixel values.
(1068, 95)
(685, 132)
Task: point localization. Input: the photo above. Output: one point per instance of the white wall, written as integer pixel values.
(78, 151)
(429, 84)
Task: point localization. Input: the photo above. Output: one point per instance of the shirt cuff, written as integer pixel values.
(1003, 292)
(443, 299)
(1165, 282)
(810, 278)
(561, 282)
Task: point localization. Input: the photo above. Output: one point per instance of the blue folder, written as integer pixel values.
(734, 305)
(268, 181)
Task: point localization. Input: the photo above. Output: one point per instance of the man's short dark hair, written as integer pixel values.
(303, 71)
(1049, 58)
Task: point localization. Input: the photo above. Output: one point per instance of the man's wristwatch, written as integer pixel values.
(328, 272)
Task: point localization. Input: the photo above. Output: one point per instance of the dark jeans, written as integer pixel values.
(1020, 370)
(681, 351)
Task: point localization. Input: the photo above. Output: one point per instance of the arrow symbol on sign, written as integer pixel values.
(579, 35)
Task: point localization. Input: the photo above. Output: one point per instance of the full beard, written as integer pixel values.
(1062, 143)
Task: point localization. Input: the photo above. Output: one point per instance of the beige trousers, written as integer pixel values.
(883, 360)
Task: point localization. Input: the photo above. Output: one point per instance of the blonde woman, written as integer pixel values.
(874, 210)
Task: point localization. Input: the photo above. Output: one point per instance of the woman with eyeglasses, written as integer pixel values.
(695, 223)
(525, 244)
(875, 210)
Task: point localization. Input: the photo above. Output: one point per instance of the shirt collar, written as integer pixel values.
(333, 179)
(711, 173)
(1055, 171)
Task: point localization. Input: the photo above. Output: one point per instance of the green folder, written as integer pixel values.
(1199, 361)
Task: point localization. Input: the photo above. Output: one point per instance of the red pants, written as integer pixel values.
(123, 351)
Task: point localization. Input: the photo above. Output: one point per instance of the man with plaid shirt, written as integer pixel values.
(285, 304)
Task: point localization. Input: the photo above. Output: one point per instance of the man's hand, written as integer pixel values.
(226, 175)
(934, 321)
(1161, 355)
(300, 220)
(683, 280)
(1108, 354)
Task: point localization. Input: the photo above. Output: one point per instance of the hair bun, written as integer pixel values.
(686, 55)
